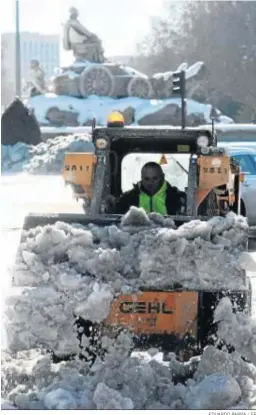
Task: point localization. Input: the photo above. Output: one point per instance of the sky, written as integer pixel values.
(119, 23)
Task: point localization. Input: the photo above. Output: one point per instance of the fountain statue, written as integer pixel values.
(35, 85)
(84, 44)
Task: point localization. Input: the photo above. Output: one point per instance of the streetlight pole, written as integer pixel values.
(17, 49)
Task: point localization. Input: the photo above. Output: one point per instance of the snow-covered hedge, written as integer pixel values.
(45, 157)
(62, 269)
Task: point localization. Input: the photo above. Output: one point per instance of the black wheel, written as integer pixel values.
(243, 210)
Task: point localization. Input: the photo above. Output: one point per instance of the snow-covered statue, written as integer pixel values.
(84, 44)
(36, 83)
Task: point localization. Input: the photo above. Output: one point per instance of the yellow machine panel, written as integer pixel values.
(214, 171)
(156, 312)
(78, 170)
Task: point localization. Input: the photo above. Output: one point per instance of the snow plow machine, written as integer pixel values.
(172, 318)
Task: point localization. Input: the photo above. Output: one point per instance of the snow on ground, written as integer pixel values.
(65, 130)
(101, 107)
(39, 314)
(46, 157)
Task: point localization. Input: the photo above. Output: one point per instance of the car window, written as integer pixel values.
(246, 164)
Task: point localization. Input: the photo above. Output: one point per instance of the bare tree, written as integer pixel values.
(160, 50)
(222, 34)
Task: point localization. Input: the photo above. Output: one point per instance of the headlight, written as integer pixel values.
(203, 141)
(101, 143)
(205, 150)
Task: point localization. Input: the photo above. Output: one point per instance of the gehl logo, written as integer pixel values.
(128, 307)
(74, 167)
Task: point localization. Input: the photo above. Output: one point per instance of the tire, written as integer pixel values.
(209, 206)
(139, 87)
(243, 210)
(96, 80)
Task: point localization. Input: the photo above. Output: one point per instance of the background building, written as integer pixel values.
(44, 48)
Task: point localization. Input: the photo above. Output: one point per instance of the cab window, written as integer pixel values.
(175, 170)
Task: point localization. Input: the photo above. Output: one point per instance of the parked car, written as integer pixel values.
(247, 160)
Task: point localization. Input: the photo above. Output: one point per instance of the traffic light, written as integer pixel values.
(179, 88)
(178, 82)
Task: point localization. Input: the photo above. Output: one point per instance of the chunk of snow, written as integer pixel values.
(136, 217)
(107, 398)
(237, 329)
(60, 399)
(217, 391)
(97, 307)
(247, 261)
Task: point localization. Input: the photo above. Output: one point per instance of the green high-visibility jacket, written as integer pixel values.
(155, 203)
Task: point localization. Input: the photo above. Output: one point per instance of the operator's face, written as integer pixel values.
(152, 179)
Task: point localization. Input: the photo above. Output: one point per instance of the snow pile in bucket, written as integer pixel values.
(237, 329)
(63, 271)
(46, 157)
(221, 381)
